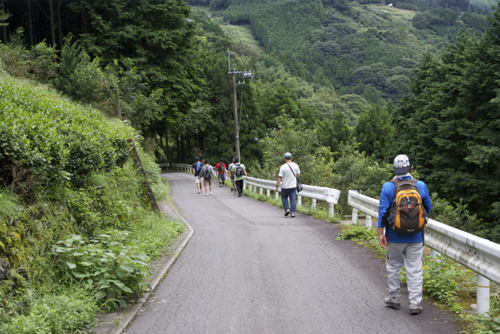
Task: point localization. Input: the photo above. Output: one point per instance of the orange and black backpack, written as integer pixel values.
(407, 213)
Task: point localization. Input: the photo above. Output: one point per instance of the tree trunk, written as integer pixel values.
(2, 7)
(166, 145)
(30, 24)
(178, 148)
(52, 24)
(59, 24)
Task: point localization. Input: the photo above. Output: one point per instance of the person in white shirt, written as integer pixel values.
(288, 174)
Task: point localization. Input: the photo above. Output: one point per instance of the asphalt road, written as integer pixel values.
(249, 269)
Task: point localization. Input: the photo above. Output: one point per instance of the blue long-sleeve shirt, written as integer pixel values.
(386, 199)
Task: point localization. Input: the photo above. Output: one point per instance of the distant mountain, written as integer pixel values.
(360, 47)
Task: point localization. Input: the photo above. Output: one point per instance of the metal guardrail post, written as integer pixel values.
(313, 203)
(330, 210)
(368, 221)
(299, 200)
(260, 191)
(483, 295)
(268, 192)
(354, 210)
(276, 194)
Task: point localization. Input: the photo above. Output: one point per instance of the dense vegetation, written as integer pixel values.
(67, 174)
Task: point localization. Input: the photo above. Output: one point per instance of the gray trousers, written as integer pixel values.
(409, 255)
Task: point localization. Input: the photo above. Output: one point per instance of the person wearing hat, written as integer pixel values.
(287, 178)
(402, 249)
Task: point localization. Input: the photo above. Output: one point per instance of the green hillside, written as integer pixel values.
(363, 49)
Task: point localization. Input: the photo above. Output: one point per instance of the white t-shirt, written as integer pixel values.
(288, 179)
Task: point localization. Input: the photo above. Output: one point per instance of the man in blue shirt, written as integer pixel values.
(195, 170)
(402, 249)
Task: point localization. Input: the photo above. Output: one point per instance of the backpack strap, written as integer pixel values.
(292, 170)
(396, 181)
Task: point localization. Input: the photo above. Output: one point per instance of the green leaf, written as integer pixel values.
(123, 304)
(130, 268)
(126, 289)
(100, 295)
(71, 265)
(81, 275)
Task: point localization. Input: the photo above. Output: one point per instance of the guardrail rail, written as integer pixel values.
(478, 254)
(329, 195)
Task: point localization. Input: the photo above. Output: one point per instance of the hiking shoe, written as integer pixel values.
(199, 191)
(239, 195)
(210, 193)
(231, 189)
(415, 309)
(292, 215)
(394, 302)
(287, 212)
(206, 194)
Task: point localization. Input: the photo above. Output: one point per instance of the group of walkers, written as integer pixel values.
(235, 172)
(403, 210)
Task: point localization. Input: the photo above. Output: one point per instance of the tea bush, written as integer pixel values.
(65, 170)
(47, 141)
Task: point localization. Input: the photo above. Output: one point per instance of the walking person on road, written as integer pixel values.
(231, 175)
(221, 172)
(239, 172)
(404, 205)
(287, 177)
(207, 174)
(195, 170)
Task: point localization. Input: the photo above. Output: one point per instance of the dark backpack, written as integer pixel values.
(239, 171)
(222, 169)
(407, 214)
(207, 172)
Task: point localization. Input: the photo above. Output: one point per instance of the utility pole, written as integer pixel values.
(245, 75)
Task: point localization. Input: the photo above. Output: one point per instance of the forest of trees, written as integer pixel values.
(352, 72)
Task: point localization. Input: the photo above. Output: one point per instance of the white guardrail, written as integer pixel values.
(473, 252)
(329, 195)
(182, 167)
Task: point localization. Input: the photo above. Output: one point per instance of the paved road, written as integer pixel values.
(248, 269)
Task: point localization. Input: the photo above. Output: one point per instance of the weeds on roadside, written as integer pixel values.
(114, 268)
(357, 232)
(46, 316)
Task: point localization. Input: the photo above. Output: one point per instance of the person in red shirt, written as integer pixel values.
(221, 172)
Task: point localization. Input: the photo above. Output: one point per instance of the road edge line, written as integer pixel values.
(131, 314)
